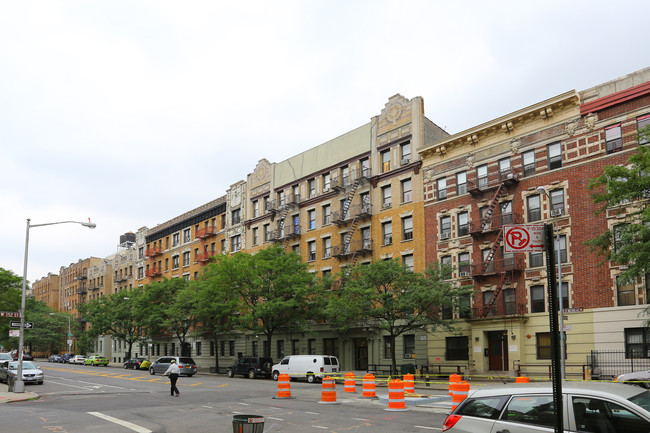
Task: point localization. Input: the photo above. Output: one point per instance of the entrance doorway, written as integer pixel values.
(361, 354)
(498, 350)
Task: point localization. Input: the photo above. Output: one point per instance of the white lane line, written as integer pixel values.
(313, 413)
(429, 428)
(123, 423)
(208, 407)
(274, 419)
(360, 419)
(67, 384)
(320, 427)
(101, 384)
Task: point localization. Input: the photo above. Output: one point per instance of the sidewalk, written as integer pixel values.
(6, 397)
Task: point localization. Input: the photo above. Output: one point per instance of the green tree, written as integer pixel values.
(276, 290)
(386, 296)
(45, 336)
(165, 308)
(626, 190)
(117, 315)
(10, 297)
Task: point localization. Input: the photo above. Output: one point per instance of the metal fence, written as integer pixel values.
(607, 364)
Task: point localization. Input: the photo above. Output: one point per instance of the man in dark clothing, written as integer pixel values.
(173, 371)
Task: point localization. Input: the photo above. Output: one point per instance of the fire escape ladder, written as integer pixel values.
(490, 257)
(495, 294)
(493, 204)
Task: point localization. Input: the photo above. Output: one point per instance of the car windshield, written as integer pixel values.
(26, 366)
(642, 399)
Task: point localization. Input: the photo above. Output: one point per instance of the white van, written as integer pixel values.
(310, 367)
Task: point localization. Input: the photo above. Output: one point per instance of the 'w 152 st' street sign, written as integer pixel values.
(523, 238)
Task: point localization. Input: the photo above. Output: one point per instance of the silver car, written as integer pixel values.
(596, 407)
(31, 373)
(185, 364)
(638, 378)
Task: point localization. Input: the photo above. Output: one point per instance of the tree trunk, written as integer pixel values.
(393, 355)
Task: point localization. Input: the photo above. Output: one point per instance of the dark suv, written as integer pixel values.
(251, 366)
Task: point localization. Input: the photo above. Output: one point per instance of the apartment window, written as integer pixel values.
(223, 246)
(388, 347)
(557, 202)
(386, 197)
(625, 293)
(311, 248)
(311, 186)
(441, 188)
(256, 208)
(534, 209)
(231, 348)
(407, 228)
(463, 264)
(365, 203)
(387, 232)
(327, 275)
(345, 175)
(409, 346)
(406, 152)
(223, 220)
(564, 288)
(528, 162)
(461, 183)
(618, 232)
(236, 216)
(543, 345)
(311, 216)
(327, 248)
(482, 175)
(198, 348)
(445, 261)
(267, 232)
(643, 122)
(385, 161)
(506, 212)
(445, 227)
(266, 204)
(407, 193)
(140, 273)
(235, 243)
(327, 214)
(255, 348)
(295, 194)
(463, 223)
(345, 209)
(562, 247)
(537, 304)
(255, 235)
(457, 348)
(186, 258)
(187, 235)
(280, 199)
(175, 239)
(554, 152)
(296, 248)
(536, 259)
(504, 166)
(407, 260)
(613, 138)
(637, 343)
(175, 262)
(326, 182)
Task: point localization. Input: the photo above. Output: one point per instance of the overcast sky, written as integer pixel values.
(134, 112)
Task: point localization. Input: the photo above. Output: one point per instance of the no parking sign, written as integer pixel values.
(523, 238)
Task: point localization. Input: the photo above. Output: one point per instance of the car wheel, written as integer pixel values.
(151, 371)
(135, 367)
(40, 383)
(276, 375)
(230, 373)
(311, 378)
(126, 367)
(251, 374)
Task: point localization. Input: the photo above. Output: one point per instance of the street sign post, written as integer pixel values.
(28, 325)
(523, 238)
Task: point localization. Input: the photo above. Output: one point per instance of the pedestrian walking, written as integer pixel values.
(173, 371)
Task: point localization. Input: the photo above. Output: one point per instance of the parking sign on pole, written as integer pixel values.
(523, 238)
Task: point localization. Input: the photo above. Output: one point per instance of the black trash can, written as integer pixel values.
(248, 424)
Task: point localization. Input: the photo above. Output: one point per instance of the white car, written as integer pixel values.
(638, 378)
(597, 407)
(309, 367)
(31, 372)
(78, 359)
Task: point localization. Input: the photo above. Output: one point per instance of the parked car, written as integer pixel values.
(518, 408)
(133, 363)
(77, 359)
(96, 360)
(26, 356)
(251, 366)
(55, 357)
(310, 367)
(31, 372)
(67, 357)
(638, 378)
(186, 364)
(6, 357)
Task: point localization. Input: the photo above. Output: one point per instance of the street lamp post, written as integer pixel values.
(19, 385)
(542, 190)
(69, 341)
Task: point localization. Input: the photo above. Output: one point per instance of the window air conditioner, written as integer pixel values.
(406, 161)
(557, 212)
(464, 274)
(445, 235)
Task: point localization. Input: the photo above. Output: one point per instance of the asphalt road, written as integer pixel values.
(86, 399)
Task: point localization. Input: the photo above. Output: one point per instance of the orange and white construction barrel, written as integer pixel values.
(369, 390)
(350, 384)
(328, 392)
(396, 400)
(409, 383)
(284, 386)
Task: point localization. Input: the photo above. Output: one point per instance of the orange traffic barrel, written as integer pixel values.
(350, 383)
(522, 379)
(284, 386)
(328, 394)
(409, 383)
(396, 400)
(369, 386)
(453, 379)
(461, 389)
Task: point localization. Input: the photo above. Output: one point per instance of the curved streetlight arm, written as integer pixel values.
(19, 385)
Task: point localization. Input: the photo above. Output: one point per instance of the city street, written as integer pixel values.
(79, 398)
